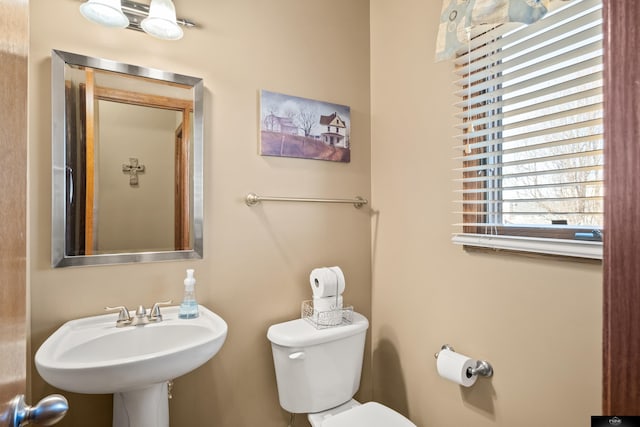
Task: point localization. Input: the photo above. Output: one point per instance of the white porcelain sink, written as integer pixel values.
(91, 355)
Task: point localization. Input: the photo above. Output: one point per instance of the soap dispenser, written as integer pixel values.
(189, 306)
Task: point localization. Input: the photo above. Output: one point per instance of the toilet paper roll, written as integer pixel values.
(453, 367)
(327, 281)
(328, 318)
(340, 277)
(327, 310)
(327, 303)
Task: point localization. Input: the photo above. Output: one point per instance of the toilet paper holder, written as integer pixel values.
(482, 368)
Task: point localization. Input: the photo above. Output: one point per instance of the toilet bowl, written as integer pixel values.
(318, 373)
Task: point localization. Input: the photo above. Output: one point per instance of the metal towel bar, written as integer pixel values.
(253, 199)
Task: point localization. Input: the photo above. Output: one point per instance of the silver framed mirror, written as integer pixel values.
(127, 163)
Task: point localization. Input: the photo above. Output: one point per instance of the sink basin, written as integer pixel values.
(135, 363)
(91, 355)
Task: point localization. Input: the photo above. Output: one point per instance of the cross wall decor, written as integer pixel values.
(133, 168)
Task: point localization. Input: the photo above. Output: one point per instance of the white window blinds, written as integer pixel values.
(530, 135)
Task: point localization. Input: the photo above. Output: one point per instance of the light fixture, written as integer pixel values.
(157, 19)
(105, 12)
(161, 22)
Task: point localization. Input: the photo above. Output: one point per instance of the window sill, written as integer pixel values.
(560, 247)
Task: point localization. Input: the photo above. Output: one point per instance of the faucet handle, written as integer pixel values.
(123, 316)
(155, 314)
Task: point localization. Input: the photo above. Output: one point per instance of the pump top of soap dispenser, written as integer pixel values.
(189, 281)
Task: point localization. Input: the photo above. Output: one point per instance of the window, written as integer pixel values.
(531, 144)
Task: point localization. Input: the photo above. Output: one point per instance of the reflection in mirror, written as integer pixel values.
(127, 163)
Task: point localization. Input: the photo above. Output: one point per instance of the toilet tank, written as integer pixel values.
(317, 369)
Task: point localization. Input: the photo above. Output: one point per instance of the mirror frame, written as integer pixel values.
(59, 257)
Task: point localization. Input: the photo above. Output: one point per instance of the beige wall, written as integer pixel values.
(538, 321)
(257, 260)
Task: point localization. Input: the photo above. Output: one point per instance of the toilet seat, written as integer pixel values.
(370, 414)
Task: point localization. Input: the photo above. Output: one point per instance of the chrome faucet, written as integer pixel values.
(141, 317)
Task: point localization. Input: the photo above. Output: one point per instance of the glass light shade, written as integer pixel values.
(161, 22)
(105, 12)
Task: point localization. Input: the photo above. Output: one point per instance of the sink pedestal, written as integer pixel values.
(144, 407)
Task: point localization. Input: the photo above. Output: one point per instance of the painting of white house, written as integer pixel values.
(291, 126)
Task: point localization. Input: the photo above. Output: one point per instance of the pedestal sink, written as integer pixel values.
(91, 355)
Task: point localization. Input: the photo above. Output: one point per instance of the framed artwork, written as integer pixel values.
(291, 126)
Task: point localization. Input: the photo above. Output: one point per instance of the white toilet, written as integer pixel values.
(318, 373)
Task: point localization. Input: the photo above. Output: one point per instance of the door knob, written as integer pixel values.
(47, 412)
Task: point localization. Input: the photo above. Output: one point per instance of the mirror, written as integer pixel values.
(127, 163)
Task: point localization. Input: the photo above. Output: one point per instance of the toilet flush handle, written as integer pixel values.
(297, 355)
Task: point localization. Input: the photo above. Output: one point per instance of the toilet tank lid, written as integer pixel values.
(371, 414)
(300, 333)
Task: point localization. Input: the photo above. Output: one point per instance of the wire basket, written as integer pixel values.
(326, 319)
